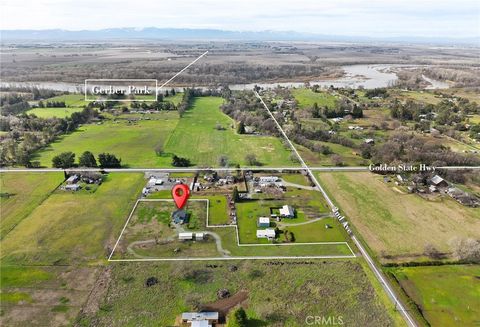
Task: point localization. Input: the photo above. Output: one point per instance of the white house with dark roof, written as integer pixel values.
(287, 211)
(438, 181)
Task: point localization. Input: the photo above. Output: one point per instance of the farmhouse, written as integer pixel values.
(72, 187)
(263, 222)
(287, 211)
(72, 179)
(266, 233)
(200, 319)
(268, 179)
(438, 181)
(180, 217)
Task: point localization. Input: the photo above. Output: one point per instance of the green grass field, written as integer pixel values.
(71, 100)
(296, 179)
(53, 112)
(309, 205)
(196, 138)
(349, 156)
(421, 96)
(218, 210)
(21, 193)
(316, 231)
(278, 294)
(51, 261)
(150, 233)
(73, 227)
(248, 213)
(175, 99)
(395, 223)
(445, 295)
(306, 98)
(133, 143)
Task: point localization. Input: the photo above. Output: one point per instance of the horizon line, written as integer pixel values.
(297, 34)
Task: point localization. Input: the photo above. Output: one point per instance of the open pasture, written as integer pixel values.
(397, 224)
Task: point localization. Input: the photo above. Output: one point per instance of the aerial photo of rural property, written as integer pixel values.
(240, 164)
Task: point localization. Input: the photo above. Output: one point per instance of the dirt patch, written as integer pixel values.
(81, 279)
(223, 306)
(22, 314)
(99, 289)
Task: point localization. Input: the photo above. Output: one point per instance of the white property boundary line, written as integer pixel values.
(375, 270)
(133, 210)
(237, 258)
(274, 244)
(238, 242)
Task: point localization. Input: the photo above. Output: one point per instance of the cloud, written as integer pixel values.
(341, 17)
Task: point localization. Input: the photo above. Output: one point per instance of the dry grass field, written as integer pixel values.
(397, 224)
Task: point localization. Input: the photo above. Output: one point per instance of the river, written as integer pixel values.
(367, 76)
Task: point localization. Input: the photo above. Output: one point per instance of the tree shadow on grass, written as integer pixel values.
(253, 322)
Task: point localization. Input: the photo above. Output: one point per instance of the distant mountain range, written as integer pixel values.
(183, 34)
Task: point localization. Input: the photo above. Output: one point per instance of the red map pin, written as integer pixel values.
(180, 194)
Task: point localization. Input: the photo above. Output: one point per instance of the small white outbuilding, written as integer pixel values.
(266, 233)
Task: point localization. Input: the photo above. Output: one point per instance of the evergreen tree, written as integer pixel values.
(241, 128)
(87, 159)
(64, 160)
(237, 318)
(108, 160)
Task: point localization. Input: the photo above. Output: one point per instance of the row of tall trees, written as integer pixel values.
(87, 159)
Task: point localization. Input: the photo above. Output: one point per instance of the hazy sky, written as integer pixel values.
(457, 18)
